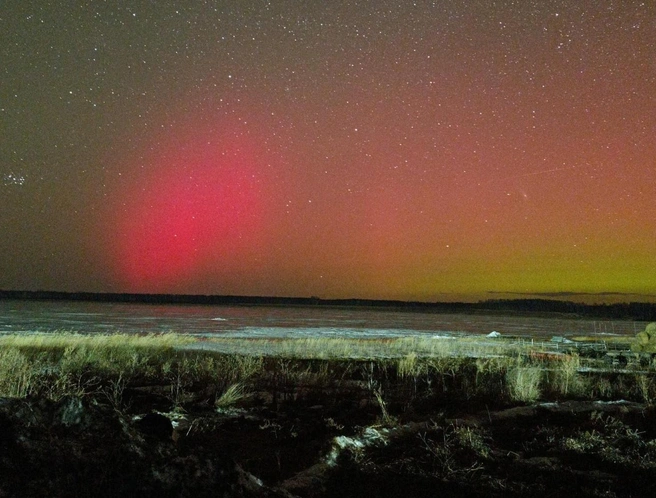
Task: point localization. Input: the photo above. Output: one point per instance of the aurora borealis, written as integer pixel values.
(398, 150)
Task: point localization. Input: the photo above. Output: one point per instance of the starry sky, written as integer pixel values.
(432, 151)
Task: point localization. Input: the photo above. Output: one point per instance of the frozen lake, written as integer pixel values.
(264, 321)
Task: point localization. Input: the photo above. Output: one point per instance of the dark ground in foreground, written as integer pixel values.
(318, 441)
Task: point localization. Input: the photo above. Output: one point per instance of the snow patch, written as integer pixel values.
(371, 436)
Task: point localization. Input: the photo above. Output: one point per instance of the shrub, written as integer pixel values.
(645, 341)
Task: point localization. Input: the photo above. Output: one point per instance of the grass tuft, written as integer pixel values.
(524, 383)
(231, 396)
(16, 374)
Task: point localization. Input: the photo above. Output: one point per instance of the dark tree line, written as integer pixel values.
(641, 311)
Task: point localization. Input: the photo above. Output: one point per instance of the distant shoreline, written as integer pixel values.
(639, 311)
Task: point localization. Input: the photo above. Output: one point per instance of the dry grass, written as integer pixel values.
(58, 364)
(16, 373)
(232, 395)
(54, 365)
(524, 383)
(118, 341)
(368, 348)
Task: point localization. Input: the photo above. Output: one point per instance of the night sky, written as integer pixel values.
(373, 149)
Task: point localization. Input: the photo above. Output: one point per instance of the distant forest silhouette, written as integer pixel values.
(625, 311)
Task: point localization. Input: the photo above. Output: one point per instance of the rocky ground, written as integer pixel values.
(323, 442)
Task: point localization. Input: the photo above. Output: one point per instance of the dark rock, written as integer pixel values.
(156, 425)
(70, 412)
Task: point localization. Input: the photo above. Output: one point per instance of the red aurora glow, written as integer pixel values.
(197, 205)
